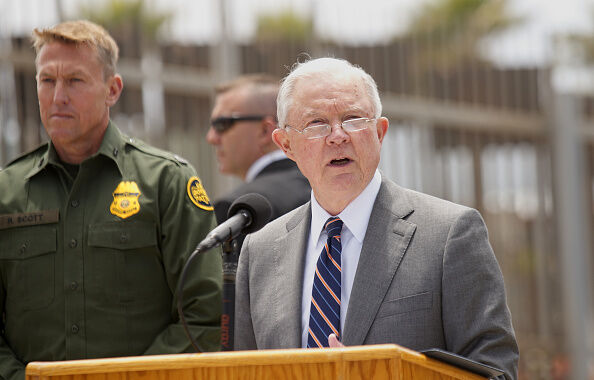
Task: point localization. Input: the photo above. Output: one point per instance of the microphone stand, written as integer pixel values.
(230, 258)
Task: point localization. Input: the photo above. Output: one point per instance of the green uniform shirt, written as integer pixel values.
(89, 266)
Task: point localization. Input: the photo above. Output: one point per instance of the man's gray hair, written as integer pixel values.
(323, 67)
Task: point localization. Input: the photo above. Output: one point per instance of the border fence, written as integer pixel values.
(502, 140)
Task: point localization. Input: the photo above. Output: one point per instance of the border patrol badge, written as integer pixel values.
(198, 195)
(125, 200)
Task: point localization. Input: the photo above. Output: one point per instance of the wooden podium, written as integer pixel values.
(387, 361)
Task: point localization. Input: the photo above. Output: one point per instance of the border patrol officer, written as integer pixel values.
(96, 227)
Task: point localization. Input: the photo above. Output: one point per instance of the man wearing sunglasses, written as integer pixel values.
(243, 119)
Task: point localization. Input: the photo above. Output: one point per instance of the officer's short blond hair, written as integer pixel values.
(81, 32)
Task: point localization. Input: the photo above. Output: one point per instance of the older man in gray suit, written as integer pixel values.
(396, 266)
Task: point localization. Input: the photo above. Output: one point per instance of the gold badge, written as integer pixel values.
(125, 199)
(198, 195)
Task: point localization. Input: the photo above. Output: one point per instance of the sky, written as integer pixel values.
(350, 21)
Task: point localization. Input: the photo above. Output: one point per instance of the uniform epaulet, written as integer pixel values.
(153, 151)
(39, 149)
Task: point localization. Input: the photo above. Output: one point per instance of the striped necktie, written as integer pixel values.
(324, 316)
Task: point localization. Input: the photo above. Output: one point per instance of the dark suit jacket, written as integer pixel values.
(281, 183)
(427, 277)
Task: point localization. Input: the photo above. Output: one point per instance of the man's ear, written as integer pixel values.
(268, 126)
(382, 128)
(281, 139)
(115, 86)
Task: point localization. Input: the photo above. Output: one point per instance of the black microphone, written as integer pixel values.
(247, 214)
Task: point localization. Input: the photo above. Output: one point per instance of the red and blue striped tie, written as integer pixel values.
(324, 316)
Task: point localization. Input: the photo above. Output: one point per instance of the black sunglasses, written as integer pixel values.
(221, 124)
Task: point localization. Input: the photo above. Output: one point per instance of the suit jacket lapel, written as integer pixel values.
(290, 259)
(384, 246)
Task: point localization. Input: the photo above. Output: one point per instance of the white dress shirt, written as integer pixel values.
(355, 218)
(262, 162)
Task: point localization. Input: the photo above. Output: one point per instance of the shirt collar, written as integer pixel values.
(262, 162)
(50, 154)
(355, 216)
(112, 147)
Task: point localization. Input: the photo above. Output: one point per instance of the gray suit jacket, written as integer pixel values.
(427, 277)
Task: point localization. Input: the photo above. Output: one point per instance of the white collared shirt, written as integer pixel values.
(262, 162)
(355, 218)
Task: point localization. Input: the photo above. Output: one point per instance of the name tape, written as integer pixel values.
(29, 218)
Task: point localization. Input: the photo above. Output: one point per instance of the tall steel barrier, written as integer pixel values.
(477, 134)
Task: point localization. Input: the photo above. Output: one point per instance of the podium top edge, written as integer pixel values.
(234, 358)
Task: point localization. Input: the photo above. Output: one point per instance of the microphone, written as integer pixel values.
(247, 214)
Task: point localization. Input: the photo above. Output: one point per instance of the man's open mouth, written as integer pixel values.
(340, 161)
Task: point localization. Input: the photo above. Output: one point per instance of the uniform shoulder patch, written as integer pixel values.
(198, 195)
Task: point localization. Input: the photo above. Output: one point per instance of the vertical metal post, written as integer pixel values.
(573, 229)
(10, 131)
(542, 246)
(224, 65)
(426, 157)
(60, 10)
(153, 96)
(225, 57)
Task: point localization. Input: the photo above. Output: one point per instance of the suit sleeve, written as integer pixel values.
(244, 338)
(477, 321)
(183, 226)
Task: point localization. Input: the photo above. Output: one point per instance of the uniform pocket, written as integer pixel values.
(28, 257)
(123, 235)
(125, 260)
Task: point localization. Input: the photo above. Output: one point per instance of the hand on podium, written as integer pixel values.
(333, 341)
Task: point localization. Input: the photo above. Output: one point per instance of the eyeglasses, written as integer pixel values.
(223, 123)
(322, 130)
